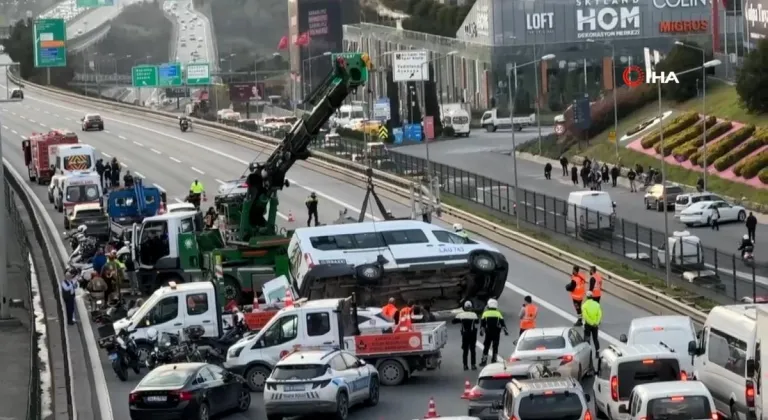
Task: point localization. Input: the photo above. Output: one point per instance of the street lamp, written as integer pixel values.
(511, 118)
(703, 103)
(667, 262)
(309, 65)
(615, 107)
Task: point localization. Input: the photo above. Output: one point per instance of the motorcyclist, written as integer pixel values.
(746, 245)
(196, 191)
(458, 228)
(97, 288)
(184, 120)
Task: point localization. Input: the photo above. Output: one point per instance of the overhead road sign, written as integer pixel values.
(144, 76)
(410, 66)
(382, 110)
(169, 74)
(50, 43)
(198, 74)
(94, 3)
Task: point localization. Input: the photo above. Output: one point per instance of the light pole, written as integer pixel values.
(512, 116)
(308, 61)
(667, 261)
(615, 107)
(703, 104)
(117, 60)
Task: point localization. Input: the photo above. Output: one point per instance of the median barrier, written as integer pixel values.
(632, 291)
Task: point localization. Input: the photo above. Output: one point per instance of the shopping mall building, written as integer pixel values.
(498, 35)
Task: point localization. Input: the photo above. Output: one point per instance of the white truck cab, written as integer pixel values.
(495, 118)
(67, 190)
(70, 158)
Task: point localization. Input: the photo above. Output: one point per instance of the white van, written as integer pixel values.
(685, 250)
(65, 191)
(673, 331)
(346, 114)
(590, 211)
(71, 158)
(620, 369)
(720, 359)
(458, 119)
(689, 400)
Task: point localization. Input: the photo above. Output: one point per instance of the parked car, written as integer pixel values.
(654, 196)
(701, 213)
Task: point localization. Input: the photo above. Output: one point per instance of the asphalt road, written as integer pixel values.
(171, 160)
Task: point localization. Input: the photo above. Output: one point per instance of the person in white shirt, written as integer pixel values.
(68, 286)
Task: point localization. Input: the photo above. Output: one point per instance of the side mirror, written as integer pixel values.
(750, 368)
(623, 338)
(693, 348)
(361, 363)
(623, 409)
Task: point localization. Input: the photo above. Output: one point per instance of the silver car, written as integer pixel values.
(485, 398)
(561, 349)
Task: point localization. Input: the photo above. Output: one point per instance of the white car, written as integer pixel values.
(234, 187)
(180, 207)
(319, 381)
(561, 349)
(701, 213)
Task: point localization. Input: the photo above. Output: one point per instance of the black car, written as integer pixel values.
(92, 121)
(189, 391)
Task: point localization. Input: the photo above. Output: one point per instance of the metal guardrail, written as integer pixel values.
(631, 290)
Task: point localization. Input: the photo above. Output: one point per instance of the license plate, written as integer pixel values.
(294, 388)
(113, 356)
(494, 410)
(157, 398)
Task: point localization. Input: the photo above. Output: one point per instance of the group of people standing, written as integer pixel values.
(591, 174)
(109, 173)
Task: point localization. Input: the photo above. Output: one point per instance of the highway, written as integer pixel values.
(169, 159)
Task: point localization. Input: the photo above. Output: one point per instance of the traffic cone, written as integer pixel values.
(467, 390)
(431, 410)
(255, 305)
(288, 300)
(290, 216)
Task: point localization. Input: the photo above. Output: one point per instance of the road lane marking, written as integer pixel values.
(175, 160)
(107, 131)
(106, 154)
(42, 125)
(14, 132)
(178, 200)
(122, 138)
(156, 151)
(159, 187)
(32, 121)
(197, 170)
(220, 181)
(5, 127)
(138, 144)
(140, 175)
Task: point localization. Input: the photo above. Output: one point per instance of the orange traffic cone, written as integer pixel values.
(467, 390)
(290, 216)
(431, 410)
(255, 305)
(288, 300)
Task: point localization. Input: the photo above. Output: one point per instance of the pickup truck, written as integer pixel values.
(333, 322)
(494, 119)
(92, 216)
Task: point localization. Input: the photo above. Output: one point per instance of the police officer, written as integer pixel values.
(128, 179)
(68, 286)
(491, 324)
(469, 322)
(196, 192)
(577, 287)
(528, 314)
(312, 209)
(593, 315)
(459, 230)
(595, 284)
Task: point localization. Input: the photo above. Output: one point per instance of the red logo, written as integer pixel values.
(633, 76)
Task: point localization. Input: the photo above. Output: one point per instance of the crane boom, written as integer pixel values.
(259, 209)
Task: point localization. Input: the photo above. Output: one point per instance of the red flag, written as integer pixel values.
(283, 44)
(303, 39)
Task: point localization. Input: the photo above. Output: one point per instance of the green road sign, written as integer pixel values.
(169, 74)
(144, 76)
(198, 74)
(95, 3)
(50, 44)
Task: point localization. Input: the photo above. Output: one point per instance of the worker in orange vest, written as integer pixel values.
(389, 310)
(403, 321)
(528, 314)
(595, 284)
(578, 288)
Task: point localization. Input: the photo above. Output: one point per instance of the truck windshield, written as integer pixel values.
(82, 193)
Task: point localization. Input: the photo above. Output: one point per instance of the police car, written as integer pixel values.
(319, 381)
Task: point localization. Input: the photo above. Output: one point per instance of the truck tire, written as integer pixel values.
(392, 372)
(482, 262)
(256, 377)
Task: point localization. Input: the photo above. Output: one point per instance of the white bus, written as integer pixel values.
(405, 259)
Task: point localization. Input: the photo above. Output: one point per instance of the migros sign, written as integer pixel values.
(683, 26)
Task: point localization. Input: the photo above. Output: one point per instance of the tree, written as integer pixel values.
(752, 80)
(680, 59)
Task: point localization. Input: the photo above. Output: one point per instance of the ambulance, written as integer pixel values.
(80, 187)
(69, 158)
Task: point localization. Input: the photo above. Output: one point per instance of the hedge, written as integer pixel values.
(724, 146)
(739, 153)
(754, 164)
(763, 175)
(684, 151)
(675, 126)
(689, 134)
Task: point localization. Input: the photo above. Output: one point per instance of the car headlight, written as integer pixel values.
(234, 353)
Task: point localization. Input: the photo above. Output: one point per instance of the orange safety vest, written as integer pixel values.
(404, 323)
(389, 310)
(580, 290)
(529, 317)
(598, 290)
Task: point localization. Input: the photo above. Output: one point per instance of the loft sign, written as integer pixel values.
(607, 18)
(540, 22)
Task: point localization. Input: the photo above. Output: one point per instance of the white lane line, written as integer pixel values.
(23, 117)
(197, 170)
(159, 187)
(220, 181)
(56, 115)
(5, 127)
(156, 151)
(69, 119)
(106, 154)
(43, 125)
(14, 132)
(23, 137)
(140, 175)
(107, 131)
(175, 160)
(32, 121)
(178, 200)
(122, 138)
(123, 165)
(47, 112)
(138, 144)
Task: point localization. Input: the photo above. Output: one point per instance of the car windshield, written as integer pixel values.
(551, 406)
(551, 342)
(93, 118)
(169, 376)
(679, 408)
(297, 372)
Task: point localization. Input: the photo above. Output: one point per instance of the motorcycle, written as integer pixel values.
(123, 354)
(185, 126)
(165, 349)
(215, 349)
(747, 256)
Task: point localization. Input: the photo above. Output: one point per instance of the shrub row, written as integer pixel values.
(729, 159)
(722, 147)
(684, 151)
(752, 165)
(686, 135)
(677, 125)
(763, 175)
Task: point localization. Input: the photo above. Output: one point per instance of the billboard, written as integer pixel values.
(246, 91)
(322, 20)
(756, 13)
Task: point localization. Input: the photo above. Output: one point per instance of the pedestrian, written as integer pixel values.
(107, 176)
(631, 175)
(700, 184)
(585, 175)
(100, 171)
(564, 164)
(751, 226)
(128, 179)
(389, 310)
(528, 314)
(595, 283)
(615, 172)
(115, 172)
(605, 173)
(577, 289)
(312, 208)
(491, 324)
(639, 169)
(575, 175)
(469, 323)
(715, 219)
(548, 171)
(68, 287)
(593, 315)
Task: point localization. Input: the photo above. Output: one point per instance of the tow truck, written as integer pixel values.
(37, 154)
(129, 205)
(333, 322)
